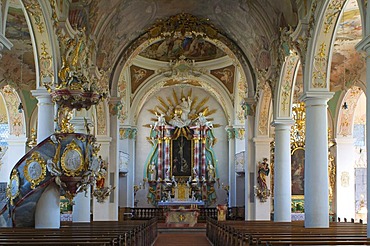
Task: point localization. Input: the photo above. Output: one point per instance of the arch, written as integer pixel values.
(264, 112)
(16, 119)
(285, 89)
(346, 112)
(205, 82)
(45, 56)
(208, 33)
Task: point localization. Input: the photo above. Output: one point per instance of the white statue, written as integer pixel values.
(167, 175)
(211, 171)
(152, 171)
(195, 174)
(161, 121)
(174, 181)
(182, 111)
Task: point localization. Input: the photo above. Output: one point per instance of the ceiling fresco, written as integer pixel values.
(17, 65)
(197, 49)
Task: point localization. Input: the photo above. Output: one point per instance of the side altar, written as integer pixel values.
(181, 167)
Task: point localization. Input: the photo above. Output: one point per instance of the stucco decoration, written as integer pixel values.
(16, 118)
(287, 84)
(322, 48)
(242, 92)
(42, 37)
(263, 122)
(101, 116)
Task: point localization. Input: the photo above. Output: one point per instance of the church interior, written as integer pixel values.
(183, 111)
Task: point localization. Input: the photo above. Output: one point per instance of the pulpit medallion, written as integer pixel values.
(72, 159)
(35, 169)
(13, 187)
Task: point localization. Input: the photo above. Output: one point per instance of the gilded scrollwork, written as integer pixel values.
(34, 9)
(72, 160)
(35, 169)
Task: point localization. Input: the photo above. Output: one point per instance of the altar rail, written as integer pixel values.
(234, 213)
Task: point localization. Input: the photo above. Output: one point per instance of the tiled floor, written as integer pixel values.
(191, 236)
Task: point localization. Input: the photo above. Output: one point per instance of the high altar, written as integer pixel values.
(181, 167)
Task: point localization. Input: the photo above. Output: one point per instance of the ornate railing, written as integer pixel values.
(234, 213)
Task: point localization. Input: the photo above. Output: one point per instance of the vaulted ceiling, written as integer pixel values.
(252, 27)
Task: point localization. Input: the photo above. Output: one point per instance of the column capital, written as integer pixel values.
(262, 140)
(41, 93)
(282, 122)
(344, 140)
(103, 139)
(308, 96)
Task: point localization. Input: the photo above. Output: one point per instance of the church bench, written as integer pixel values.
(95, 233)
(257, 232)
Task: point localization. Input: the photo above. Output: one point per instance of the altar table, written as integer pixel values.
(182, 217)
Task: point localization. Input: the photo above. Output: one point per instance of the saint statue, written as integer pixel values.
(263, 172)
(211, 171)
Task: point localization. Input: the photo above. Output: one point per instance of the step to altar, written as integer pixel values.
(164, 228)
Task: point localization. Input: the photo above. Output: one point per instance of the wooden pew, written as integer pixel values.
(284, 233)
(94, 233)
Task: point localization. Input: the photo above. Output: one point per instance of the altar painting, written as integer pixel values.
(297, 161)
(181, 157)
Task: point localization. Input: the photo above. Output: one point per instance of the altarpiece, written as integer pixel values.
(181, 166)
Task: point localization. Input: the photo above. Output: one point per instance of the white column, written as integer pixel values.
(316, 183)
(131, 170)
(364, 45)
(16, 150)
(127, 145)
(82, 203)
(107, 210)
(282, 171)
(47, 215)
(45, 111)
(232, 175)
(345, 178)
(262, 150)
(238, 178)
(248, 166)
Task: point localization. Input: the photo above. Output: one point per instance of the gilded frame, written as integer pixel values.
(72, 160)
(35, 169)
(13, 188)
(297, 165)
(187, 157)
